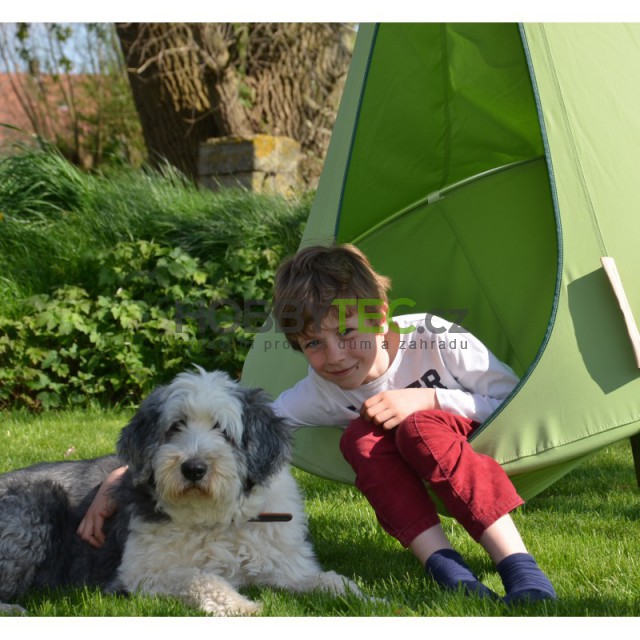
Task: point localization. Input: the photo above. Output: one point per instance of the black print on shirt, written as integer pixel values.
(430, 379)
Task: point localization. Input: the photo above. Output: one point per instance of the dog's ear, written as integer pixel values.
(266, 439)
(139, 439)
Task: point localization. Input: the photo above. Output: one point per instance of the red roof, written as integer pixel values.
(43, 97)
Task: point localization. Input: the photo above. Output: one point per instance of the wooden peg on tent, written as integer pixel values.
(611, 270)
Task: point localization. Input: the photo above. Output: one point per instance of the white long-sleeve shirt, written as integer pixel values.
(468, 379)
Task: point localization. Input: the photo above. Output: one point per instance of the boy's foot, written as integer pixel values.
(523, 580)
(450, 571)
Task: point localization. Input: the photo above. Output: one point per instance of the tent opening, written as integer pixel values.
(446, 186)
(490, 263)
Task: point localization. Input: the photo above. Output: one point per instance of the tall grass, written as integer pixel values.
(583, 531)
(54, 218)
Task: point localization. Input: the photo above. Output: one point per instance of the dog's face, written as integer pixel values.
(203, 443)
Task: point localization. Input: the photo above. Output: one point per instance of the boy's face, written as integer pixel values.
(347, 352)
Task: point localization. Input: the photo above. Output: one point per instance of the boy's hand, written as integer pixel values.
(389, 408)
(103, 507)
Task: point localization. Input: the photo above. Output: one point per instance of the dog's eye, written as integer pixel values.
(176, 427)
(223, 433)
(217, 427)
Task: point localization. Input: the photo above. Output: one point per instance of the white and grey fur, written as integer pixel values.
(205, 457)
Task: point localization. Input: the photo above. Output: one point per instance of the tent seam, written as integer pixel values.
(573, 147)
(447, 115)
(435, 196)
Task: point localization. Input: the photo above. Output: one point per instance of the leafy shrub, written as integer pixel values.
(111, 283)
(159, 311)
(54, 218)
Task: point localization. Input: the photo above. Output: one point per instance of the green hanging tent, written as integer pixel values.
(487, 169)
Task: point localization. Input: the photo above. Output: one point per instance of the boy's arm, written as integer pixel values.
(485, 381)
(389, 408)
(102, 507)
(482, 383)
(305, 405)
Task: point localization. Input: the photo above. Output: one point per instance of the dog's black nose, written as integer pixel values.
(194, 469)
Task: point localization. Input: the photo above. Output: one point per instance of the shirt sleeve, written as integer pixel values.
(303, 405)
(485, 381)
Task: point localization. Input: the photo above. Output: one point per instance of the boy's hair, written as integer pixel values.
(307, 284)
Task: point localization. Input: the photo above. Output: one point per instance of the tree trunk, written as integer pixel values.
(195, 81)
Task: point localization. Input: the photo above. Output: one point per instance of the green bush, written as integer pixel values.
(71, 348)
(54, 218)
(112, 284)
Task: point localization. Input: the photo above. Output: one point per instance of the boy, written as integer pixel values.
(408, 414)
(410, 406)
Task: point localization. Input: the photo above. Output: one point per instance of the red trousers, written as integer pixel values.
(392, 467)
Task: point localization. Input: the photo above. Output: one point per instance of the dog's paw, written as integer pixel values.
(217, 604)
(332, 581)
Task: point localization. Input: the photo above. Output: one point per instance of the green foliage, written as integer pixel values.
(69, 347)
(40, 187)
(53, 219)
(112, 284)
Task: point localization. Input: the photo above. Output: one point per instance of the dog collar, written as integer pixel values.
(272, 517)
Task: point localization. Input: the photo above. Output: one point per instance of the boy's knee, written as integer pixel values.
(405, 431)
(418, 427)
(427, 422)
(417, 421)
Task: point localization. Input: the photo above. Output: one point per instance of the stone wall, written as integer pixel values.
(259, 163)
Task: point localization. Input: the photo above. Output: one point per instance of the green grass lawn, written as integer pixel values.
(584, 532)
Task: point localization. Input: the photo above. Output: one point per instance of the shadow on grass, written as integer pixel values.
(603, 486)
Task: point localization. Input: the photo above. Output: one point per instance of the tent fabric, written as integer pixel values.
(486, 169)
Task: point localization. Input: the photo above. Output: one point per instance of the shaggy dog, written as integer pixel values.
(207, 477)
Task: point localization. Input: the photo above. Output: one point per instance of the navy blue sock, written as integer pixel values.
(450, 571)
(523, 579)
